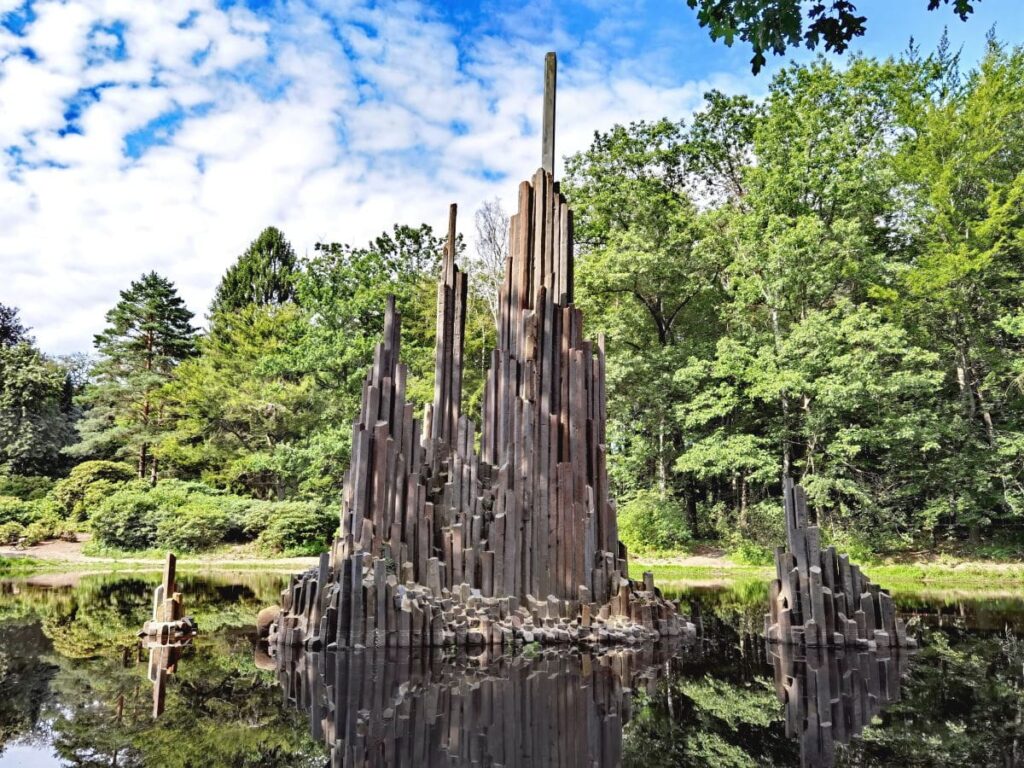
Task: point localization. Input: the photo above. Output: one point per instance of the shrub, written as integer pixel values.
(199, 524)
(14, 510)
(88, 484)
(652, 522)
(38, 531)
(127, 519)
(10, 533)
(296, 527)
(25, 487)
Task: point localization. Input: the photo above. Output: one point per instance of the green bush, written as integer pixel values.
(297, 527)
(199, 524)
(88, 484)
(37, 532)
(127, 519)
(14, 510)
(10, 533)
(25, 487)
(652, 522)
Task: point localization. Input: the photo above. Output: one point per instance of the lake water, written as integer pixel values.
(74, 690)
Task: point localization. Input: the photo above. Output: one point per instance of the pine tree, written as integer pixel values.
(263, 275)
(149, 332)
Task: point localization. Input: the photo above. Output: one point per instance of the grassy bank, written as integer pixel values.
(962, 574)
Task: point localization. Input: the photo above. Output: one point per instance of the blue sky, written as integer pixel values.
(140, 135)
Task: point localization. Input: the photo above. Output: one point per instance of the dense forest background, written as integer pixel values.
(825, 282)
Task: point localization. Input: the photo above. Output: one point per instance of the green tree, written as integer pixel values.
(36, 414)
(242, 401)
(264, 275)
(642, 281)
(36, 411)
(775, 25)
(148, 334)
(11, 330)
(960, 279)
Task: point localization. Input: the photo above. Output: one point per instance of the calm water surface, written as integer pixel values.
(74, 690)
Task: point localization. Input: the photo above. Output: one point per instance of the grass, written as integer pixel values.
(20, 566)
(964, 575)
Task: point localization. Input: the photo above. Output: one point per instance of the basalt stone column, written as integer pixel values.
(820, 599)
(502, 534)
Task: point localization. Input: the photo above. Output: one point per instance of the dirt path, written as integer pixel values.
(57, 551)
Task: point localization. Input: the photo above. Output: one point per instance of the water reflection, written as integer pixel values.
(830, 694)
(74, 690)
(393, 707)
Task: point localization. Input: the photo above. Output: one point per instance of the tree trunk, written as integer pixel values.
(691, 511)
(143, 460)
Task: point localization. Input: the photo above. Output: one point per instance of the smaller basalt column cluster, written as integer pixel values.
(831, 695)
(819, 597)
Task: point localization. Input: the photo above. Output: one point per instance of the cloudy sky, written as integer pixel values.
(143, 135)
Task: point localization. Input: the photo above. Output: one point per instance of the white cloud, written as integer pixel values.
(332, 124)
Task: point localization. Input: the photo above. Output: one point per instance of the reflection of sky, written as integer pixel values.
(166, 139)
(17, 755)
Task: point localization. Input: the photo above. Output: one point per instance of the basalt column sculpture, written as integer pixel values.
(451, 538)
(820, 598)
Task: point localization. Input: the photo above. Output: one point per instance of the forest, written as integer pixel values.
(824, 282)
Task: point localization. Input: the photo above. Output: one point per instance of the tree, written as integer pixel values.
(36, 413)
(149, 333)
(486, 269)
(775, 25)
(240, 408)
(11, 330)
(264, 275)
(642, 281)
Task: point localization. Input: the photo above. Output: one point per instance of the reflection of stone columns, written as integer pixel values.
(395, 707)
(832, 694)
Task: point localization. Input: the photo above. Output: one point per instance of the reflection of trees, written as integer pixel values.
(220, 712)
(714, 708)
(962, 705)
(94, 700)
(102, 613)
(24, 678)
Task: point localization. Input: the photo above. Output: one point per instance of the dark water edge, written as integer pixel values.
(74, 691)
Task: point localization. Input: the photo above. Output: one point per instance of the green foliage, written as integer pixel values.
(775, 25)
(25, 487)
(650, 522)
(127, 519)
(263, 275)
(13, 509)
(197, 525)
(11, 532)
(88, 484)
(148, 333)
(298, 528)
(36, 412)
(828, 285)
